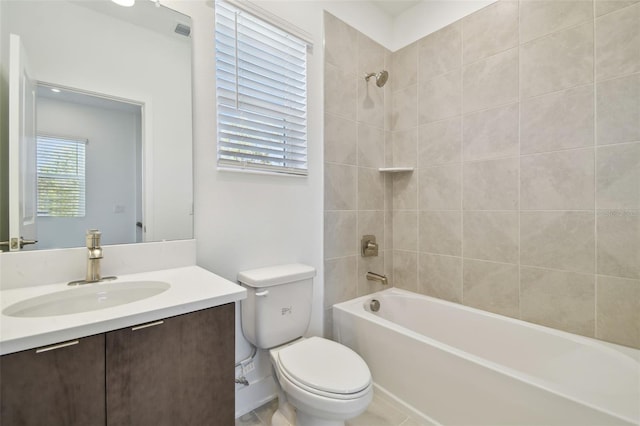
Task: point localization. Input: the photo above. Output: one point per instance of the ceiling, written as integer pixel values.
(395, 7)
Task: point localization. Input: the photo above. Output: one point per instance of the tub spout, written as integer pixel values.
(372, 276)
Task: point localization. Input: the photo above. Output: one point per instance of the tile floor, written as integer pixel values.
(380, 413)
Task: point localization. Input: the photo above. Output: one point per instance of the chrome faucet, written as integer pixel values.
(372, 276)
(94, 255)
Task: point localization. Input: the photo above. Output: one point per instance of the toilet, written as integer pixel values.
(321, 382)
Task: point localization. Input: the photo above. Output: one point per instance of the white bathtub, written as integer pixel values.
(455, 365)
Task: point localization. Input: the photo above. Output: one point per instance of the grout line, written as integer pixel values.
(417, 175)
(519, 163)
(461, 133)
(595, 179)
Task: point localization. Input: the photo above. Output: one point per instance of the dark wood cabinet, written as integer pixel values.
(173, 372)
(57, 385)
(178, 371)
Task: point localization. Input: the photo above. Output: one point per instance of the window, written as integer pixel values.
(261, 80)
(60, 165)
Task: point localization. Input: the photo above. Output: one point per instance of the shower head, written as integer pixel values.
(381, 77)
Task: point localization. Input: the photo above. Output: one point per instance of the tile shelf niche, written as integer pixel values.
(395, 169)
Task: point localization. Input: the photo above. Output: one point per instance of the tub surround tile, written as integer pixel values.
(388, 229)
(538, 18)
(388, 104)
(388, 148)
(607, 6)
(340, 187)
(373, 264)
(405, 148)
(404, 67)
(440, 187)
(370, 55)
(619, 243)
(370, 189)
(340, 234)
(558, 299)
(491, 236)
(404, 108)
(502, 18)
(440, 97)
(558, 239)
(440, 232)
(370, 103)
(618, 177)
(558, 180)
(532, 129)
(618, 43)
(340, 140)
(558, 121)
(440, 142)
(491, 286)
(340, 280)
(618, 310)
(618, 110)
(372, 223)
(491, 133)
(558, 61)
(340, 92)
(491, 82)
(440, 276)
(439, 52)
(405, 224)
(405, 270)
(388, 265)
(405, 192)
(491, 185)
(340, 45)
(370, 151)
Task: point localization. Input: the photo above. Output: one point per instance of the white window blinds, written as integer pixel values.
(60, 168)
(261, 80)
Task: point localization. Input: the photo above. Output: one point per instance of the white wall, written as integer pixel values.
(90, 51)
(111, 171)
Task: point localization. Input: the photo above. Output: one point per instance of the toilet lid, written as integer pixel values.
(325, 365)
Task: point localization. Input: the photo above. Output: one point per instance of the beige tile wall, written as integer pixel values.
(357, 197)
(527, 188)
(523, 123)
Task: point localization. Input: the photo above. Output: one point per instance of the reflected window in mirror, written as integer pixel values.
(60, 168)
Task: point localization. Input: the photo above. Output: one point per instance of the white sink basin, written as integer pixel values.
(89, 297)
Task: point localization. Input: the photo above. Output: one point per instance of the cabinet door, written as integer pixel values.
(179, 371)
(56, 385)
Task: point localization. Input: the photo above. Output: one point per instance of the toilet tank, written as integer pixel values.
(278, 304)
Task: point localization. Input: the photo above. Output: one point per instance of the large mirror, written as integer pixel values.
(106, 90)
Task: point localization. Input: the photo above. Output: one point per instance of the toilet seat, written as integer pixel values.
(324, 368)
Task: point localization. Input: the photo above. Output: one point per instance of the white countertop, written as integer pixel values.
(192, 288)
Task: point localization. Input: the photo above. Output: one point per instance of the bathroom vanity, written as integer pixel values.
(164, 360)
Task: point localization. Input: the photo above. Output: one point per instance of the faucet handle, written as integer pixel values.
(93, 238)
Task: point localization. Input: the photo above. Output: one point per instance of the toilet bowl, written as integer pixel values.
(325, 382)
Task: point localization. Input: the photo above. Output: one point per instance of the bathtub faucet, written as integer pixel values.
(372, 276)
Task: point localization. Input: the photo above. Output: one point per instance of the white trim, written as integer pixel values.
(271, 18)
